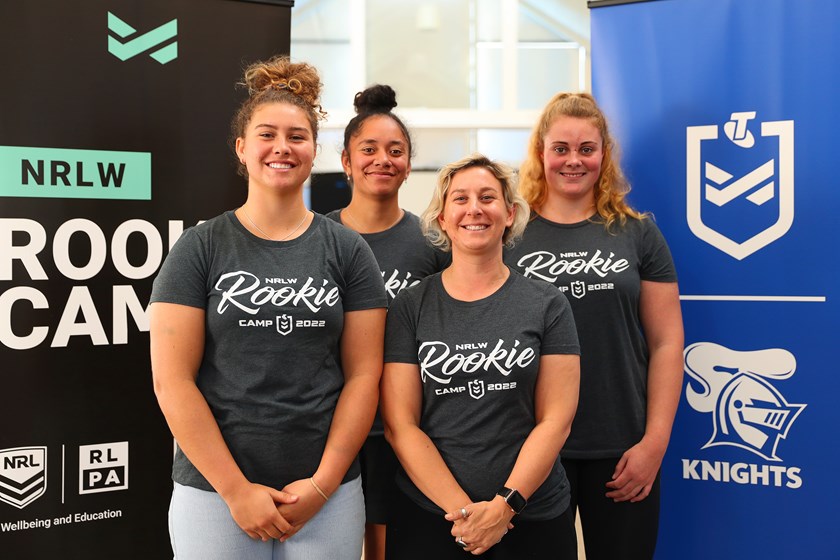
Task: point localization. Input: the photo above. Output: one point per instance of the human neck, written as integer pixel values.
(567, 211)
(474, 277)
(372, 215)
(274, 218)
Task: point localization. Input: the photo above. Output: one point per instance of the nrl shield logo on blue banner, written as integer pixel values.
(23, 475)
(740, 187)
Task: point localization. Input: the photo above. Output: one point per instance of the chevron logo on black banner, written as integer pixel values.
(23, 475)
(149, 40)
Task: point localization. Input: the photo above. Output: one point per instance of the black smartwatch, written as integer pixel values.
(513, 499)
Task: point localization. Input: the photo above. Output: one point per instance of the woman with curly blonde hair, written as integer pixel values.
(266, 339)
(616, 270)
(479, 388)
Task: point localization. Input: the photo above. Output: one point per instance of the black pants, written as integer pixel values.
(611, 530)
(416, 534)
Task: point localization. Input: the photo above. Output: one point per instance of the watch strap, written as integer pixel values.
(513, 499)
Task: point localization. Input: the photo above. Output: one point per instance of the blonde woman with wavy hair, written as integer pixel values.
(479, 388)
(614, 266)
(266, 343)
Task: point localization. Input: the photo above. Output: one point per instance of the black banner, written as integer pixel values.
(113, 139)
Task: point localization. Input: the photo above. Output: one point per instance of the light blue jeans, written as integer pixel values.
(201, 528)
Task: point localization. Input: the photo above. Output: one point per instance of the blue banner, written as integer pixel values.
(726, 115)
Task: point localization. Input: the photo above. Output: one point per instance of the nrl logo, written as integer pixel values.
(747, 411)
(578, 288)
(476, 387)
(740, 188)
(23, 475)
(284, 324)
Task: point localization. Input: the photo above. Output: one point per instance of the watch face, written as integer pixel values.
(514, 499)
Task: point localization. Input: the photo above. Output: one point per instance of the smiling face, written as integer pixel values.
(474, 214)
(572, 154)
(378, 157)
(278, 147)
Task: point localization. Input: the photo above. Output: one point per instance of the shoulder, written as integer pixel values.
(333, 229)
(410, 219)
(221, 222)
(416, 294)
(408, 226)
(335, 215)
(538, 291)
(208, 231)
(636, 226)
(644, 231)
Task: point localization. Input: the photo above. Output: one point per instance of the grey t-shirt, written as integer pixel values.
(478, 364)
(271, 370)
(405, 257)
(601, 272)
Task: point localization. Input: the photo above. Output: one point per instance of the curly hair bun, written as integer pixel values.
(280, 73)
(375, 99)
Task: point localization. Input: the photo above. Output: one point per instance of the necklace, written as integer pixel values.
(259, 229)
(359, 228)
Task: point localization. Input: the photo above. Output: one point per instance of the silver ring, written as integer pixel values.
(460, 542)
(464, 513)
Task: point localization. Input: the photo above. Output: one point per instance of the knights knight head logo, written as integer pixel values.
(747, 411)
(740, 187)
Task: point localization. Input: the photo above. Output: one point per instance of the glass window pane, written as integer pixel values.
(435, 147)
(488, 73)
(320, 20)
(334, 65)
(422, 50)
(328, 157)
(489, 20)
(560, 73)
(504, 145)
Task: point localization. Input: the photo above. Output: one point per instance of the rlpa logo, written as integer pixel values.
(142, 43)
(23, 475)
(747, 411)
(103, 467)
(740, 188)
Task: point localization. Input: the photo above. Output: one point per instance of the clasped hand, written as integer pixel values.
(484, 525)
(298, 513)
(265, 513)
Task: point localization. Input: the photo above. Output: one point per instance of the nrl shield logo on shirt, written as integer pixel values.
(578, 288)
(23, 475)
(476, 387)
(284, 324)
(740, 187)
